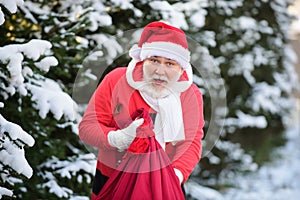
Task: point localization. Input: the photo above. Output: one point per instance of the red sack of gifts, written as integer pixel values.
(145, 172)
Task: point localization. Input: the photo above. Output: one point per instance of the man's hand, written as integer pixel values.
(121, 139)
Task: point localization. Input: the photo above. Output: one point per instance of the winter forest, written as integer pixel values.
(53, 54)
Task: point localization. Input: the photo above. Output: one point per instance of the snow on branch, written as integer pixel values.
(5, 191)
(46, 93)
(245, 120)
(61, 192)
(49, 97)
(10, 5)
(170, 13)
(266, 97)
(13, 56)
(67, 169)
(12, 140)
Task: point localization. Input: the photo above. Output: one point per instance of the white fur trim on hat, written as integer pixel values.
(135, 52)
(168, 50)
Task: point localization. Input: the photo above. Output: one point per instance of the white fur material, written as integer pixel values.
(168, 50)
(168, 125)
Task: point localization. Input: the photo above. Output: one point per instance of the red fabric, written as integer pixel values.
(141, 142)
(146, 171)
(161, 32)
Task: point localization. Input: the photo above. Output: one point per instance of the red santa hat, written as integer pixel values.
(161, 39)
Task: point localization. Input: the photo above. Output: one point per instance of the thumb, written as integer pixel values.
(138, 122)
(131, 129)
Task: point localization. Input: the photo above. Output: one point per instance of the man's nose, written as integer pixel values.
(160, 69)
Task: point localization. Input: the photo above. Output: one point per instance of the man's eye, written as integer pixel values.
(154, 60)
(170, 64)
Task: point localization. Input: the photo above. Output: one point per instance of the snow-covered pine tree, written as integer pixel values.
(40, 55)
(256, 60)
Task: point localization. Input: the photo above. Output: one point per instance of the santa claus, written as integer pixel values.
(158, 79)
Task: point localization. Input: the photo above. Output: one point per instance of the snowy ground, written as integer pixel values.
(277, 180)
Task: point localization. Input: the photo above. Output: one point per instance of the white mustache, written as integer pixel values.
(161, 78)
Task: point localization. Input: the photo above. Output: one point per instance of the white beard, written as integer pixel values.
(152, 92)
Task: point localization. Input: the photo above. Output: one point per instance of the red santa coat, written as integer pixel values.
(110, 107)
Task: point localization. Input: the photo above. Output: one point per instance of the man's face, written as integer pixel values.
(160, 73)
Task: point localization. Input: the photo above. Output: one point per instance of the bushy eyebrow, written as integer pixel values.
(162, 57)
